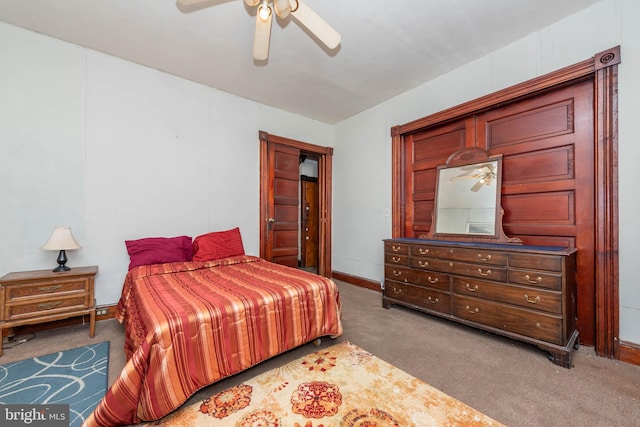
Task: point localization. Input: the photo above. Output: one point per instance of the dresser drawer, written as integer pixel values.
(431, 299)
(37, 308)
(396, 259)
(396, 248)
(537, 325)
(463, 268)
(43, 289)
(536, 278)
(479, 256)
(422, 297)
(532, 298)
(536, 262)
(429, 251)
(398, 291)
(424, 278)
(480, 271)
(433, 264)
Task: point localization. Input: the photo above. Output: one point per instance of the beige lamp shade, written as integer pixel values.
(61, 239)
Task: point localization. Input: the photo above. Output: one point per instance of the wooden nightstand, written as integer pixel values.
(31, 297)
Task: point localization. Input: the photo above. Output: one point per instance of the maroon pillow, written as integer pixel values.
(217, 245)
(158, 250)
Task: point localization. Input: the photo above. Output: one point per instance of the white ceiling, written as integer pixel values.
(388, 46)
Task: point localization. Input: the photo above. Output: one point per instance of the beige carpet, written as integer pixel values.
(511, 382)
(341, 386)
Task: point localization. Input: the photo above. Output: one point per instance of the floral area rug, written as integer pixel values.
(341, 386)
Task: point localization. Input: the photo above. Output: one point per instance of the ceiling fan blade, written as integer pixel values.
(262, 36)
(187, 6)
(318, 26)
(477, 186)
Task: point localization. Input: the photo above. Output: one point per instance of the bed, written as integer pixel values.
(191, 323)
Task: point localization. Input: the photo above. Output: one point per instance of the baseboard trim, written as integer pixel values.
(357, 281)
(630, 353)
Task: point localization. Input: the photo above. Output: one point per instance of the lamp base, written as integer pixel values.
(62, 260)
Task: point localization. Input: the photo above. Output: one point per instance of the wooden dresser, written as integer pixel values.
(526, 293)
(31, 297)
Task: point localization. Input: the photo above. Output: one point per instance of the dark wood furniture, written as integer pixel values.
(32, 297)
(557, 135)
(526, 293)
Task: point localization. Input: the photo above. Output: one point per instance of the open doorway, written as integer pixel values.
(281, 209)
(309, 218)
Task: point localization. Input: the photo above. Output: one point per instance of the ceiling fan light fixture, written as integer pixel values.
(251, 3)
(282, 7)
(264, 11)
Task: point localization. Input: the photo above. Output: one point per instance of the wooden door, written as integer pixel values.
(282, 205)
(279, 215)
(309, 218)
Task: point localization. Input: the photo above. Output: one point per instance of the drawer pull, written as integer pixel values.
(49, 305)
(534, 281)
(396, 290)
(423, 251)
(434, 281)
(481, 258)
(396, 259)
(469, 288)
(423, 263)
(474, 311)
(433, 301)
(532, 301)
(487, 273)
(395, 248)
(397, 273)
(49, 289)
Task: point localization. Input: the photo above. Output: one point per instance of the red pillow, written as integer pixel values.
(217, 245)
(158, 250)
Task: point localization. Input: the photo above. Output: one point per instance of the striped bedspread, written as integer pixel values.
(190, 324)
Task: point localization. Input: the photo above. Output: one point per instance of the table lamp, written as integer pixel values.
(61, 240)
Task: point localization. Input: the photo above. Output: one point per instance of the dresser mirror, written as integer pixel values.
(467, 200)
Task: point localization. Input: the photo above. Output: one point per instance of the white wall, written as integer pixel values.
(118, 151)
(362, 164)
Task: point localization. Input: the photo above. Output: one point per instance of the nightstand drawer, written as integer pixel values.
(46, 307)
(53, 287)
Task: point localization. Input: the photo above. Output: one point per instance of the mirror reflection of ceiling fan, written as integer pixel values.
(484, 173)
(264, 15)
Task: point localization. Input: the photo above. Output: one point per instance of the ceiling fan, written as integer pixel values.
(283, 8)
(484, 173)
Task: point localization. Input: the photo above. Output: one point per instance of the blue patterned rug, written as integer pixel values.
(76, 377)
